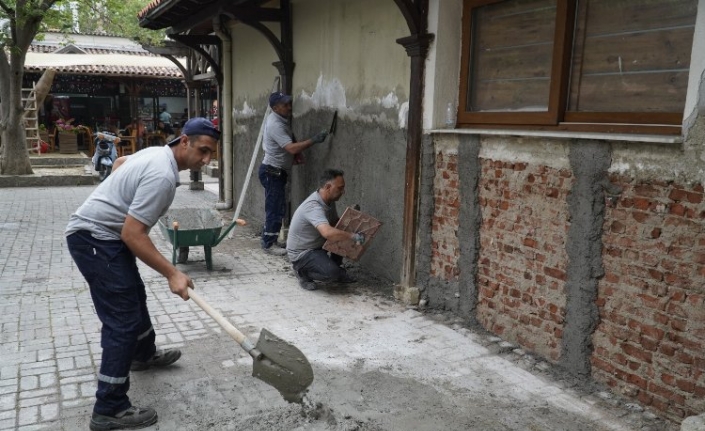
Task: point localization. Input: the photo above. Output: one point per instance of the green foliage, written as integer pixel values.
(113, 17)
(117, 17)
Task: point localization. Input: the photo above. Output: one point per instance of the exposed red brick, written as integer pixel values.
(555, 273)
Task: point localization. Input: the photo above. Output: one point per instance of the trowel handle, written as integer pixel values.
(238, 336)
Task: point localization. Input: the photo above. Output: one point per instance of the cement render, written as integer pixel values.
(589, 162)
(373, 157)
(377, 364)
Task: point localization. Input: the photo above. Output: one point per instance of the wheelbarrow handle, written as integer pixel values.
(238, 336)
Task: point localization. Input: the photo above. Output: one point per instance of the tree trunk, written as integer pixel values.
(15, 157)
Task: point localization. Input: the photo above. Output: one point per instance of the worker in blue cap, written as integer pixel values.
(280, 147)
(106, 235)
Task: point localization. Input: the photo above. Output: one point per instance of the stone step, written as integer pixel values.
(58, 162)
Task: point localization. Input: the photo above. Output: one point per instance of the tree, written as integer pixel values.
(21, 21)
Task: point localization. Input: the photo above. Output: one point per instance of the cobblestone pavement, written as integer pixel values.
(377, 364)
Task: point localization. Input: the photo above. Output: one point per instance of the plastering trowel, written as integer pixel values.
(276, 362)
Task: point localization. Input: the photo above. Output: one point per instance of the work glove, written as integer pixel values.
(359, 238)
(319, 137)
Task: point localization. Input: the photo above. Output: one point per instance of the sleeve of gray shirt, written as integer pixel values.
(278, 133)
(152, 199)
(315, 214)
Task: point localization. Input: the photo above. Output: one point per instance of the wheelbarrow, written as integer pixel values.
(197, 226)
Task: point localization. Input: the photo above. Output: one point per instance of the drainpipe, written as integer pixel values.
(226, 122)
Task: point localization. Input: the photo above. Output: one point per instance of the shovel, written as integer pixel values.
(276, 362)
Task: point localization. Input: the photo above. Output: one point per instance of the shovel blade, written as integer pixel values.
(282, 366)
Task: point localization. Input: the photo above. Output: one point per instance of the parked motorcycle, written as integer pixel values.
(105, 153)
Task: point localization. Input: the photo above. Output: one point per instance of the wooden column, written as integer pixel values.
(417, 48)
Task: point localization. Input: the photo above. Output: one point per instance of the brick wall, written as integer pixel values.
(444, 232)
(522, 257)
(650, 343)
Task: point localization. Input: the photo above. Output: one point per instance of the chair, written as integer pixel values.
(128, 144)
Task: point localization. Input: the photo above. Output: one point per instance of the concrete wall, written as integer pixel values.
(346, 60)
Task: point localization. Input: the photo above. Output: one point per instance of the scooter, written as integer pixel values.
(105, 153)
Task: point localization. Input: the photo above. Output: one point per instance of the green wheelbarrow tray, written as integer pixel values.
(196, 227)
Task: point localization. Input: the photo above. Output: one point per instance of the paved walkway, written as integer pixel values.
(377, 364)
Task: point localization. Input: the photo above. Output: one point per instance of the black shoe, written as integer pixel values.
(305, 282)
(275, 251)
(132, 418)
(347, 278)
(161, 358)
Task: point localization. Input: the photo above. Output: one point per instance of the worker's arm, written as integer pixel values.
(333, 234)
(297, 147)
(119, 161)
(135, 235)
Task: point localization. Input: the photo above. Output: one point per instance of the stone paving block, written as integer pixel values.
(29, 382)
(69, 391)
(33, 393)
(7, 401)
(49, 412)
(38, 401)
(28, 415)
(87, 389)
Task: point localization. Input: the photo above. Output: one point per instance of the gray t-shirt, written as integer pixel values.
(144, 187)
(303, 235)
(277, 134)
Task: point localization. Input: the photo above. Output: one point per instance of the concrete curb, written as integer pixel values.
(39, 180)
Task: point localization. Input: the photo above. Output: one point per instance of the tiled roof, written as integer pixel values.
(112, 64)
(136, 71)
(48, 49)
(150, 7)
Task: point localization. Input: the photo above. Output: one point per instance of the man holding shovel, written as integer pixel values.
(105, 236)
(279, 150)
(311, 225)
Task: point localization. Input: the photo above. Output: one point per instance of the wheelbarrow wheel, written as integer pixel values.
(183, 255)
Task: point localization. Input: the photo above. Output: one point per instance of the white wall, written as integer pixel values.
(443, 64)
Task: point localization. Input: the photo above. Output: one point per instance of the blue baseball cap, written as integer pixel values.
(279, 97)
(198, 126)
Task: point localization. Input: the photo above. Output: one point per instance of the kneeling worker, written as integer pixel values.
(311, 225)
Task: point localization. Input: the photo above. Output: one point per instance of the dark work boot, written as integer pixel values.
(161, 358)
(132, 418)
(305, 282)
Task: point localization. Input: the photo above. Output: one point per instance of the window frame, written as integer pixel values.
(556, 117)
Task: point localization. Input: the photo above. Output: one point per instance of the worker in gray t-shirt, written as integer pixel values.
(312, 224)
(105, 236)
(280, 146)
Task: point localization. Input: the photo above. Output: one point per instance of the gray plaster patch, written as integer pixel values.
(590, 161)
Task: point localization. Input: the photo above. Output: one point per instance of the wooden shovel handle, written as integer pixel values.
(238, 336)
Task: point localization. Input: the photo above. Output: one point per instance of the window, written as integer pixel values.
(599, 65)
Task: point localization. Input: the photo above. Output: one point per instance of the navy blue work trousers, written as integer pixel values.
(120, 300)
(274, 182)
(319, 265)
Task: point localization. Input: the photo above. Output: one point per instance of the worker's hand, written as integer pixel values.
(319, 137)
(179, 284)
(359, 238)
